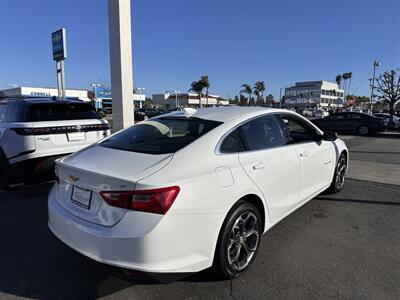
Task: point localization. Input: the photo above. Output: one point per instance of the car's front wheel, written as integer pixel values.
(340, 175)
(239, 240)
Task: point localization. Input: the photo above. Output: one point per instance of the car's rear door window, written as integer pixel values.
(261, 133)
(232, 143)
(160, 136)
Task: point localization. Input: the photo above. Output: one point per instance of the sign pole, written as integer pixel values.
(62, 79)
(58, 68)
(59, 45)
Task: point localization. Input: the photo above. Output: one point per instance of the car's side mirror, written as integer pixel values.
(329, 136)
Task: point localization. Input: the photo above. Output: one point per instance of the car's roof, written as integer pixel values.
(227, 113)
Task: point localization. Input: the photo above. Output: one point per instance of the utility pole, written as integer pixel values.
(376, 64)
(120, 43)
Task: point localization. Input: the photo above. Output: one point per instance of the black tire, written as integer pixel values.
(363, 130)
(244, 218)
(4, 171)
(339, 176)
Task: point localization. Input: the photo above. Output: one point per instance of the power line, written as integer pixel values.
(380, 59)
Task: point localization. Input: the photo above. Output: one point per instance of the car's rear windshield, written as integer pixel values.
(60, 111)
(160, 136)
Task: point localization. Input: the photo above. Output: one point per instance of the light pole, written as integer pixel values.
(280, 93)
(176, 98)
(141, 90)
(376, 64)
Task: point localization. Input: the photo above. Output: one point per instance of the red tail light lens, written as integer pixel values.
(156, 201)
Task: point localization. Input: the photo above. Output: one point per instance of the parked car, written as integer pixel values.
(147, 113)
(351, 122)
(193, 189)
(386, 117)
(108, 110)
(320, 113)
(307, 113)
(35, 132)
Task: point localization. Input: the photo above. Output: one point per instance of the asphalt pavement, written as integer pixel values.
(343, 246)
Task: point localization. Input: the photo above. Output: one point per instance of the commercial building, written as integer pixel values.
(40, 92)
(102, 96)
(174, 100)
(313, 94)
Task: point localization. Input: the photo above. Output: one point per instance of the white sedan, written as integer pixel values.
(192, 189)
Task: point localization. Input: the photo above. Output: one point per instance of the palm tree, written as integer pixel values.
(339, 80)
(206, 84)
(259, 89)
(197, 87)
(247, 89)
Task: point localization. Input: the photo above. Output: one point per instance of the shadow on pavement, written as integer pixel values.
(359, 201)
(36, 264)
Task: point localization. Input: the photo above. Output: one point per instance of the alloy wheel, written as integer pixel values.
(243, 240)
(341, 172)
(363, 130)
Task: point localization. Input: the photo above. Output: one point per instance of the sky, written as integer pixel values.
(177, 41)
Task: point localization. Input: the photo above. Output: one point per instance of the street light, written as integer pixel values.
(141, 90)
(376, 64)
(280, 93)
(176, 98)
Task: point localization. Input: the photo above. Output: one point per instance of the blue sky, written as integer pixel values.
(177, 41)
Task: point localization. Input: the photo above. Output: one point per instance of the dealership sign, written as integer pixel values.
(58, 41)
(103, 92)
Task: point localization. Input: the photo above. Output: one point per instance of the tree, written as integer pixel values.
(206, 84)
(388, 85)
(259, 89)
(198, 87)
(248, 90)
(339, 80)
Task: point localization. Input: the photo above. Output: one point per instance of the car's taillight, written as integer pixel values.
(32, 131)
(61, 129)
(156, 201)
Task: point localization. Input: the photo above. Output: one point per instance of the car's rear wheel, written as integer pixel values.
(239, 241)
(340, 175)
(4, 171)
(363, 130)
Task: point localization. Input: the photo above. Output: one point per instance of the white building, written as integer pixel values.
(24, 91)
(313, 94)
(172, 100)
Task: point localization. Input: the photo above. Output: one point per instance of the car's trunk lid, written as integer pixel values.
(84, 175)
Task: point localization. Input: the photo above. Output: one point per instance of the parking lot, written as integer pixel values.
(342, 246)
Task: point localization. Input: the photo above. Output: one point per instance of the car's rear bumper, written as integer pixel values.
(141, 241)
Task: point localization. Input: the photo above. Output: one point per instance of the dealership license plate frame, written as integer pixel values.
(83, 202)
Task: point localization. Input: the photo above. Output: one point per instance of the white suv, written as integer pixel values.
(34, 132)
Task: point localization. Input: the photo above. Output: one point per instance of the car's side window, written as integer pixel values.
(232, 143)
(337, 116)
(261, 133)
(12, 113)
(297, 130)
(355, 116)
(3, 112)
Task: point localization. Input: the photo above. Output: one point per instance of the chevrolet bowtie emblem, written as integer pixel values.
(73, 178)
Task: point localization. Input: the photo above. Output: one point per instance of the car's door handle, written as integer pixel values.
(259, 166)
(305, 154)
